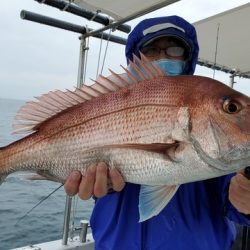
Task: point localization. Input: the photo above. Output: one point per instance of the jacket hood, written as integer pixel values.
(153, 28)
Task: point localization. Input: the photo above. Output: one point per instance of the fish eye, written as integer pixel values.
(231, 106)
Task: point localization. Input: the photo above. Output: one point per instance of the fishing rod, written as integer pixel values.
(40, 202)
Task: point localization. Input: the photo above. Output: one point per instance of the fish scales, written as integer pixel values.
(123, 99)
(96, 133)
(106, 117)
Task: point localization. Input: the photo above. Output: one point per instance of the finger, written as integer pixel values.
(100, 187)
(116, 179)
(72, 183)
(239, 197)
(236, 190)
(243, 182)
(241, 207)
(87, 184)
(235, 197)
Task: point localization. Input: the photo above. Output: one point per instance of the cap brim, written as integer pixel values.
(161, 36)
(166, 33)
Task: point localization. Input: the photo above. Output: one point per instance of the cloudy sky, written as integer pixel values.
(36, 58)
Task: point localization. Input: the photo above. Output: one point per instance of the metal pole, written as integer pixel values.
(74, 9)
(133, 16)
(79, 84)
(232, 80)
(66, 220)
(27, 15)
(84, 229)
(81, 64)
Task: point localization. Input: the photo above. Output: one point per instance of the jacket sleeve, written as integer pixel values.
(230, 211)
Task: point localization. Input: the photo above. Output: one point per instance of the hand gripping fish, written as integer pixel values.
(158, 131)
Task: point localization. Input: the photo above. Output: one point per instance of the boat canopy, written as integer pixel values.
(120, 9)
(224, 41)
(223, 38)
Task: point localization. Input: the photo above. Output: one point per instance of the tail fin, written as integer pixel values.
(2, 173)
(2, 178)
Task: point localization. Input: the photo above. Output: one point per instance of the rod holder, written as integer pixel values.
(83, 231)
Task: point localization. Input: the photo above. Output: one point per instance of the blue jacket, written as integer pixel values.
(199, 216)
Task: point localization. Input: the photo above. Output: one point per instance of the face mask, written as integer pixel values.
(171, 67)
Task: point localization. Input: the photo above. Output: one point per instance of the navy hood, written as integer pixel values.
(153, 28)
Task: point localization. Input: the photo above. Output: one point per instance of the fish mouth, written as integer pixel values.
(230, 158)
(238, 156)
(235, 159)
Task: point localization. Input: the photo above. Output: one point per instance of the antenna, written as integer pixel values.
(216, 48)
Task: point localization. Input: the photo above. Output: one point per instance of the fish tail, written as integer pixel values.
(3, 173)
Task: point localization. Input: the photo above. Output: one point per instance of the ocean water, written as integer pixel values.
(18, 195)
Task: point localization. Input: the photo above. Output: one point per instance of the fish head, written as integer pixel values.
(221, 124)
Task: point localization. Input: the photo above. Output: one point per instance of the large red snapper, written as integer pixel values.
(159, 131)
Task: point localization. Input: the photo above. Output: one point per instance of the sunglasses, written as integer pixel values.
(173, 51)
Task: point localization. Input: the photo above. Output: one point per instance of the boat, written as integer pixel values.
(221, 29)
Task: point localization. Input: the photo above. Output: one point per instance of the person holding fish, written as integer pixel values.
(200, 214)
(167, 141)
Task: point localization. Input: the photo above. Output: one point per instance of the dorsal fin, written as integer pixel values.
(138, 71)
(34, 113)
(122, 81)
(130, 76)
(155, 70)
(148, 71)
(111, 85)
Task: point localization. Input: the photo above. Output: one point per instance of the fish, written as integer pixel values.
(159, 131)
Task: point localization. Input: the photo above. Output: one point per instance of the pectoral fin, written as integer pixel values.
(153, 199)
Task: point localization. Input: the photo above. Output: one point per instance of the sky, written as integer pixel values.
(36, 59)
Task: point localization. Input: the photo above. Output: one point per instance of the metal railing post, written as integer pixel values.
(81, 63)
(66, 220)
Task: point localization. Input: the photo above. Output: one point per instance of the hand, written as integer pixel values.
(95, 182)
(239, 193)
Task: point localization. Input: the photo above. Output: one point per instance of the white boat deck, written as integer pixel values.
(57, 245)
